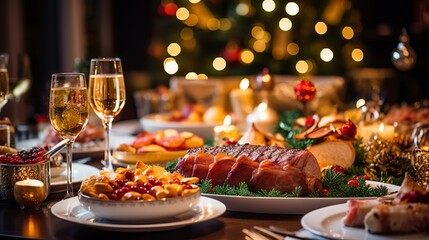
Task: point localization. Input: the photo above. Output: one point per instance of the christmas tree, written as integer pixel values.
(224, 37)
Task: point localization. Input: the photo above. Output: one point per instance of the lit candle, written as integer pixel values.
(225, 131)
(29, 193)
(263, 117)
(242, 102)
(386, 132)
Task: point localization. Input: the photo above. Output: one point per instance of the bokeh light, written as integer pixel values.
(301, 66)
(285, 24)
(186, 34)
(268, 5)
(326, 54)
(174, 49)
(292, 8)
(182, 14)
(191, 75)
(320, 28)
(357, 55)
(219, 63)
(246, 56)
(292, 49)
(170, 66)
(242, 9)
(348, 32)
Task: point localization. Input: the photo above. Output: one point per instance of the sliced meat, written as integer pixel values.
(185, 165)
(201, 165)
(219, 169)
(272, 176)
(241, 171)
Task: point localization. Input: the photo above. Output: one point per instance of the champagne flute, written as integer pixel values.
(4, 80)
(68, 112)
(106, 96)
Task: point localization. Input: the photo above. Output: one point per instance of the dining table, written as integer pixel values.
(43, 224)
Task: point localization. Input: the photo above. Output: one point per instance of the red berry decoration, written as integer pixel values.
(353, 183)
(348, 129)
(309, 121)
(32, 156)
(305, 91)
(339, 169)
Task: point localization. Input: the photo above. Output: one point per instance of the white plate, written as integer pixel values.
(327, 222)
(292, 205)
(155, 122)
(70, 210)
(80, 173)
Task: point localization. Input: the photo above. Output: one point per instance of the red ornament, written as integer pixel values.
(232, 52)
(305, 91)
(348, 129)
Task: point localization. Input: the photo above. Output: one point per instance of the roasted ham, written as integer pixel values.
(261, 167)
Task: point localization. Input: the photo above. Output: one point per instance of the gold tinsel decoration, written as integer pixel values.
(384, 158)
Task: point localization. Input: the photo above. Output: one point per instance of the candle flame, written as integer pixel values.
(361, 102)
(262, 107)
(227, 120)
(381, 128)
(244, 84)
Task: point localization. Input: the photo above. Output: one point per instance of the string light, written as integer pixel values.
(202, 76)
(357, 55)
(219, 63)
(186, 34)
(348, 32)
(182, 14)
(191, 75)
(268, 5)
(242, 9)
(225, 24)
(292, 8)
(301, 66)
(285, 24)
(257, 32)
(326, 54)
(173, 49)
(213, 24)
(246, 56)
(292, 49)
(259, 45)
(192, 20)
(170, 66)
(321, 28)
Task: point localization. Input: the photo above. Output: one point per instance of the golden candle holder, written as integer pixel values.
(30, 193)
(10, 174)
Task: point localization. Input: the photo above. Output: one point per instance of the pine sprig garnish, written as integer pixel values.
(225, 189)
(204, 185)
(332, 179)
(171, 165)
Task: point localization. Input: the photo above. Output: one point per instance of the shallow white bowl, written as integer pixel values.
(139, 210)
(156, 122)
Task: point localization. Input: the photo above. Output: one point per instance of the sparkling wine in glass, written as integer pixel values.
(68, 112)
(106, 93)
(4, 80)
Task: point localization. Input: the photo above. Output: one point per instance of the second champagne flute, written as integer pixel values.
(106, 96)
(68, 112)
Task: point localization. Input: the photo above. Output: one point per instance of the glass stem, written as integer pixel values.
(69, 157)
(107, 123)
